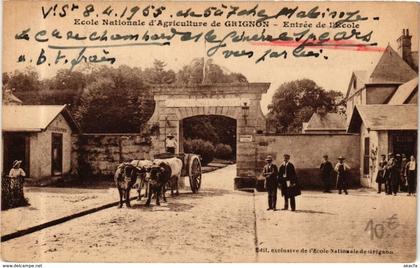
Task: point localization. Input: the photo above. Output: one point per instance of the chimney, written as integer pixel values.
(404, 47)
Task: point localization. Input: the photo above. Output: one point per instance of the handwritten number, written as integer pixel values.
(133, 11)
(89, 9)
(146, 11)
(125, 10)
(369, 227)
(108, 11)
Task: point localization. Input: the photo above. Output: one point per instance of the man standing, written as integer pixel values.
(271, 183)
(380, 177)
(403, 173)
(171, 144)
(326, 171)
(288, 182)
(342, 170)
(387, 175)
(394, 174)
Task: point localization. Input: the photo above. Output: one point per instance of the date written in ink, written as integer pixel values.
(382, 229)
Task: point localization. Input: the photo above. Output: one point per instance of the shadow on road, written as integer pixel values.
(309, 211)
(175, 207)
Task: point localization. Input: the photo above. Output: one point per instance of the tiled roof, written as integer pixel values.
(328, 121)
(384, 117)
(404, 91)
(33, 118)
(391, 68)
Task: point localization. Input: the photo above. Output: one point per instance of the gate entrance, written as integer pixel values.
(239, 101)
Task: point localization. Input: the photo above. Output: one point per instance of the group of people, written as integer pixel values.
(327, 171)
(284, 178)
(397, 174)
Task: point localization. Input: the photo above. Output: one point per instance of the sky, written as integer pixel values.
(332, 73)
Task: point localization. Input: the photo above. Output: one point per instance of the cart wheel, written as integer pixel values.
(195, 174)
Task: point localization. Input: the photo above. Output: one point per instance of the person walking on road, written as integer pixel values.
(326, 172)
(271, 182)
(411, 168)
(342, 170)
(380, 177)
(289, 184)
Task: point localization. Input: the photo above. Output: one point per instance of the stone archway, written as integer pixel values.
(238, 101)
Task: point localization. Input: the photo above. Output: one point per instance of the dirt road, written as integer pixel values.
(216, 225)
(223, 225)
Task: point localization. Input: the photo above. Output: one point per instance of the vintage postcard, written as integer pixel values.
(209, 131)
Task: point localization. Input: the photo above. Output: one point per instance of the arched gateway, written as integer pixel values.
(238, 101)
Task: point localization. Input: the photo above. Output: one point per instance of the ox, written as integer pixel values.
(143, 166)
(162, 172)
(125, 176)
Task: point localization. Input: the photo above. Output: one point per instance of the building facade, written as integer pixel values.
(40, 136)
(382, 106)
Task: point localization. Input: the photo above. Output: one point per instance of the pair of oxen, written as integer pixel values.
(155, 176)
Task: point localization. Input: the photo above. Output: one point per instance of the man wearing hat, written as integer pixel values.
(270, 175)
(394, 174)
(380, 177)
(342, 170)
(326, 171)
(389, 170)
(288, 182)
(170, 144)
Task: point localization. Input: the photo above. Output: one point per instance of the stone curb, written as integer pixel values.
(41, 226)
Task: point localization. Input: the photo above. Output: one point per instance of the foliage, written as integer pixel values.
(201, 147)
(294, 103)
(117, 98)
(193, 74)
(216, 129)
(223, 151)
(12, 193)
(158, 75)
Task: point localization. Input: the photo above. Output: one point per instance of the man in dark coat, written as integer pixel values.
(271, 183)
(380, 177)
(288, 182)
(387, 174)
(394, 173)
(342, 170)
(326, 171)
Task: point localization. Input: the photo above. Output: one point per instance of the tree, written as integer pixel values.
(158, 75)
(23, 81)
(212, 128)
(294, 102)
(193, 74)
(117, 100)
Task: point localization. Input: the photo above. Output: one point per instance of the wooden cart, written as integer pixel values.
(191, 167)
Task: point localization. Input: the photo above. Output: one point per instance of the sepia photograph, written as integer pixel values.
(209, 132)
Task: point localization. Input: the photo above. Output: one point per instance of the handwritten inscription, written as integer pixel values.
(382, 229)
(301, 32)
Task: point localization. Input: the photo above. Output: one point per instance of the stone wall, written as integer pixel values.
(306, 152)
(100, 154)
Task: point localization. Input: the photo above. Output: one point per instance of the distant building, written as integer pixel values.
(382, 107)
(40, 136)
(325, 123)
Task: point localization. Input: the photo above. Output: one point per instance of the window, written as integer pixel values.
(366, 156)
